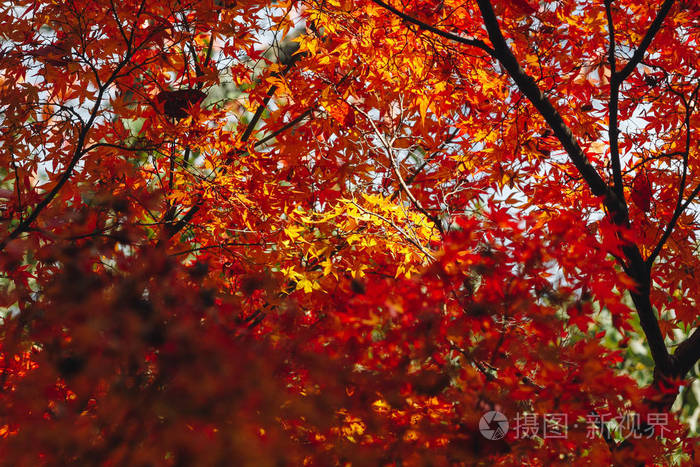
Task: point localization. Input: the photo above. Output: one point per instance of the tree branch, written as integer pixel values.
(644, 45)
(263, 105)
(78, 153)
(438, 32)
(418, 205)
(687, 354)
(402, 232)
(389, 150)
(531, 90)
(616, 206)
(616, 79)
(680, 205)
(650, 324)
(173, 228)
(613, 131)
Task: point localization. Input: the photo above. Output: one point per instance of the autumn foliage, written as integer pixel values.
(339, 232)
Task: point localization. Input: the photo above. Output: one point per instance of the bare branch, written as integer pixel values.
(389, 150)
(397, 172)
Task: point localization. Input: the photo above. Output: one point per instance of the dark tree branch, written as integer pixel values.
(613, 131)
(644, 45)
(605, 432)
(284, 128)
(173, 228)
(616, 206)
(616, 80)
(263, 105)
(78, 153)
(527, 85)
(687, 354)
(680, 205)
(648, 321)
(212, 247)
(438, 32)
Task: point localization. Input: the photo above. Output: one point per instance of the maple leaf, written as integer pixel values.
(419, 218)
(641, 192)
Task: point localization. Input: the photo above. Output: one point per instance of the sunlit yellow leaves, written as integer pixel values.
(294, 232)
(405, 270)
(302, 282)
(292, 274)
(352, 426)
(381, 405)
(307, 285)
(396, 245)
(485, 80)
(328, 267)
(308, 43)
(423, 103)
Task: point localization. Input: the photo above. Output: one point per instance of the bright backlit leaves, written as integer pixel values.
(217, 246)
